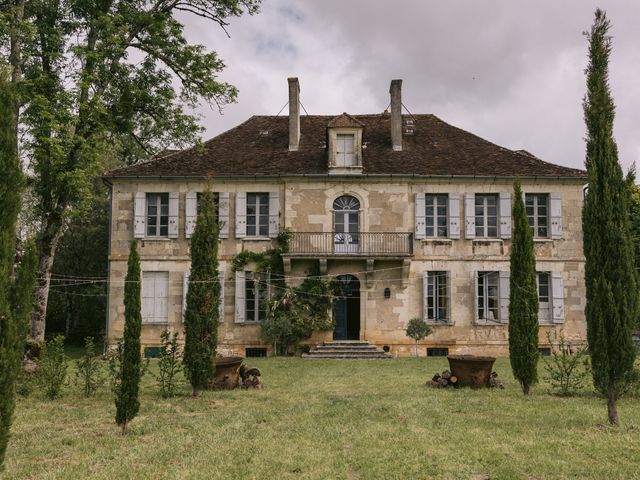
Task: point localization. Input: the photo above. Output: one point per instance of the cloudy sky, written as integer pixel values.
(509, 71)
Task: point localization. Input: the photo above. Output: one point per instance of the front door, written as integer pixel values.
(346, 309)
(346, 225)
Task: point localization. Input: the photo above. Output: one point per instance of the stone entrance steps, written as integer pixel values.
(346, 349)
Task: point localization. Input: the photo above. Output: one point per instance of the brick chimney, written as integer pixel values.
(294, 114)
(396, 114)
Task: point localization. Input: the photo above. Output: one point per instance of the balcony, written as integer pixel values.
(361, 244)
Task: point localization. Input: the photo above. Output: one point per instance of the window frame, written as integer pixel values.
(482, 228)
(437, 280)
(483, 299)
(549, 296)
(260, 218)
(156, 200)
(342, 156)
(534, 218)
(256, 296)
(435, 216)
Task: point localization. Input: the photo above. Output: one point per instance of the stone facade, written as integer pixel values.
(387, 204)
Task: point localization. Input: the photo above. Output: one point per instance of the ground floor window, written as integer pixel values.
(256, 300)
(155, 289)
(437, 296)
(488, 299)
(544, 297)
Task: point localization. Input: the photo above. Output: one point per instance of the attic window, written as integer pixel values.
(345, 150)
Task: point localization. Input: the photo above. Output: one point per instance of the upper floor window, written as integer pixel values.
(486, 215)
(257, 214)
(345, 151)
(436, 210)
(537, 206)
(157, 214)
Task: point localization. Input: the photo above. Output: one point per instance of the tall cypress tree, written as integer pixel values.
(523, 298)
(127, 403)
(15, 293)
(611, 280)
(203, 298)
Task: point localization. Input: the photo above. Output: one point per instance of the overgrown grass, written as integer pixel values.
(329, 420)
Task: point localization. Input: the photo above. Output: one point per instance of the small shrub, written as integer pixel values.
(32, 349)
(24, 383)
(52, 367)
(631, 384)
(417, 329)
(567, 371)
(170, 364)
(88, 369)
(114, 367)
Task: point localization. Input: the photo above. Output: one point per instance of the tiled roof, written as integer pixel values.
(259, 146)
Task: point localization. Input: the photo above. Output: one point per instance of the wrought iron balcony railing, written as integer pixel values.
(364, 244)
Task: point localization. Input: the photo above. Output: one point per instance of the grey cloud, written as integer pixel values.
(510, 72)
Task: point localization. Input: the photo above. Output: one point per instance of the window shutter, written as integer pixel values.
(148, 286)
(470, 218)
(185, 290)
(190, 213)
(173, 214)
(505, 215)
(557, 290)
(221, 311)
(425, 289)
(556, 215)
(420, 216)
(240, 297)
(223, 214)
(449, 318)
(274, 209)
(475, 296)
(504, 289)
(241, 214)
(140, 215)
(454, 215)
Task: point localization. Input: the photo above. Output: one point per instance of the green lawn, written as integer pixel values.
(330, 420)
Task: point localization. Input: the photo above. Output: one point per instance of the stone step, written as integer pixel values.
(319, 356)
(347, 349)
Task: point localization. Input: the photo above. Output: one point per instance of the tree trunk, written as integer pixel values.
(612, 407)
(525, 388)
(47, 252)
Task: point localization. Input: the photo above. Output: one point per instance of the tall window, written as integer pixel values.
(157, 214)
(537, 205)
(544, 297)
(486, 215)
(345, 156)
(257, 214)
(488, 296)
(155, 292)
(437, 297)
(436, 209)
(216, 198)
(256, 288)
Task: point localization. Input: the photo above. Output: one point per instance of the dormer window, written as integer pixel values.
(345, 150)
(345, 145)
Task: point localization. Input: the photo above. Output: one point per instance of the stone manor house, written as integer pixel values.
(411, 214)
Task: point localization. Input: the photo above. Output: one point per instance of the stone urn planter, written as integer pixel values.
(227, 375)
(471, 371)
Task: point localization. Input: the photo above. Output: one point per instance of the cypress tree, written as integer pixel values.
(203, 298)
(127, 403)
(611, 280)
(15, 293)
(523, 298)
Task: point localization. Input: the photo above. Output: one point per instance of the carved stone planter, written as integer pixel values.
(472, 371)
(227, 376)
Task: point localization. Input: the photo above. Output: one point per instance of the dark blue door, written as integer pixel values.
(346, 309)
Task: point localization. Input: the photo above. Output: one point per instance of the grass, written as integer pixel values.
(329, 420)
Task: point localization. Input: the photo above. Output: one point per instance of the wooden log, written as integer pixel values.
(446, 374)
(443, 381)
(453, 379)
